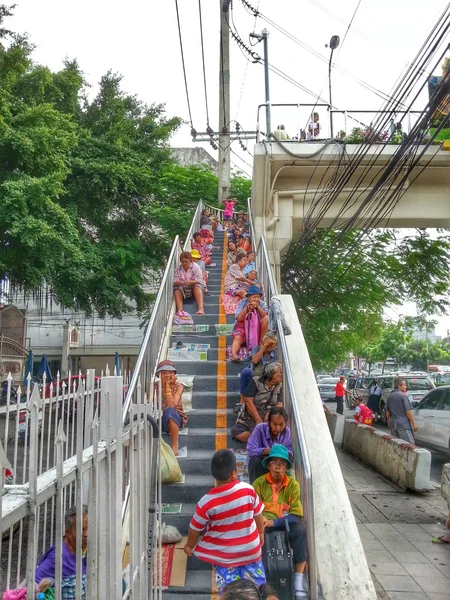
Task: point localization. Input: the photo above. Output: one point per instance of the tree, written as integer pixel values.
(77, 179)
(341, 284)
(241, 189)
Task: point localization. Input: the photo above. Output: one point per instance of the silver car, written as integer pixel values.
(417, 386)
(326, 388)
(432, 416)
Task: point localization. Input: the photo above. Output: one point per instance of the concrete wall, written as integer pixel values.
(336, 426)
(445, 483)
(402, 463)
(342, 564)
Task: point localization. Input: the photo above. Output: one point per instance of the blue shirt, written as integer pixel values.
(251, 266)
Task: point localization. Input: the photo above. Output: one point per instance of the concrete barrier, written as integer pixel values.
(445, 483)
(336, 426)
(402, 463)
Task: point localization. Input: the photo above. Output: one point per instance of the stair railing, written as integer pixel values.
(301, 458)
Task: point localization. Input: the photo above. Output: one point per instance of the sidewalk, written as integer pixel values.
(396, 529)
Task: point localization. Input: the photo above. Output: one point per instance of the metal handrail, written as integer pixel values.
(195, 226)
(266, 276)
(154, 317)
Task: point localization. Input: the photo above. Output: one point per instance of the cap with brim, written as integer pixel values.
(165, 365)
(195, 254)
(277, 451)
(254, 289)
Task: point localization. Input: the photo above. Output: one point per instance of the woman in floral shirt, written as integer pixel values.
(188, 282)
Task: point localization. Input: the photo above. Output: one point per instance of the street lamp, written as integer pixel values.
(334, 43)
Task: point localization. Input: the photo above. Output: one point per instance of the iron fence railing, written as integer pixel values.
(76, 451)
(302, 464)
(296, 117)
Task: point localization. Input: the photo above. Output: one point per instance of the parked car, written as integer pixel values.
(320, 376)
(417, 386)
(438, 369)
(326, 387)
(432, 416)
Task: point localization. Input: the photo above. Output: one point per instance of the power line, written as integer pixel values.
(349, 25)
(297, 41)
(184, 66)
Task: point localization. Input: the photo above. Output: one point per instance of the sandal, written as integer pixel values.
(440, 540)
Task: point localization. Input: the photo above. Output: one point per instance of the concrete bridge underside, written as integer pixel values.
(289, 191)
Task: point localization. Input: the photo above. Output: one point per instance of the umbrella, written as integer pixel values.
(116, 363)
(44, 367)
(28, 367)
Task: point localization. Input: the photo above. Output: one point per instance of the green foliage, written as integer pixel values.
(341, 285)
(241, 189)
(76, 181)
(90, 197)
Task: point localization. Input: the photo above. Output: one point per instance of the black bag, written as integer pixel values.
(278, 562)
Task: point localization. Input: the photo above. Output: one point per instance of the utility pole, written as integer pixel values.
(265, 39)
(223, 191)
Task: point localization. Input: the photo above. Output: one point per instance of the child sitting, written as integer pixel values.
(363, 414)
(202, 247)
(230, 517)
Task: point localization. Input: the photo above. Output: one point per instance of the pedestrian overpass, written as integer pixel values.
(289, 179)
(103, 450)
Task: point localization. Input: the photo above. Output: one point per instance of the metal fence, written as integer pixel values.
(302, 464)
(72, 449)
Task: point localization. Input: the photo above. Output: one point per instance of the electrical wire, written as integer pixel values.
(184, 66)
(407, 158)
(321, 57)
(349, 26)
(203, 60)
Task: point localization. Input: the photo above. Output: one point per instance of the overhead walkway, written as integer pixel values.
(336, 556)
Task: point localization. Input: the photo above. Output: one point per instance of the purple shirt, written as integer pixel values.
(261, 439)
(46, 566)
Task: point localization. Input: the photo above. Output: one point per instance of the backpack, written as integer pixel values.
(182, 318)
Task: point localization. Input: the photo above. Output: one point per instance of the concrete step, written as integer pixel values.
(211, 318)
(201, 399)
(206, 367)
(207, 417)
(190, 491)
(198, 584)
(208, 383)
(201, 438)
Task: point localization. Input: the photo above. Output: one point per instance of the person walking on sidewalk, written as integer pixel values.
(399, 412)
(339, 390)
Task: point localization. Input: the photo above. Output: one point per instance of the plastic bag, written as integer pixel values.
(182, 318)
(170, 469)
(170, 534)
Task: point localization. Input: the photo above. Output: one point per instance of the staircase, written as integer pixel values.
(215, 392)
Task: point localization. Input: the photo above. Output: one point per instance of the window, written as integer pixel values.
(431, 401)
(387, 384)
(445, 401)
(416, 383)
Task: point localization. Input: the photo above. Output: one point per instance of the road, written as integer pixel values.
(438, 459)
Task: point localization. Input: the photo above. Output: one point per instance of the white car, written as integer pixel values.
(432, 416)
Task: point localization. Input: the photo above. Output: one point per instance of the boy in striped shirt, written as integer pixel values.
(230, 517)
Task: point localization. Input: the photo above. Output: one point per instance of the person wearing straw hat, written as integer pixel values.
(280, 495)
(174, 418)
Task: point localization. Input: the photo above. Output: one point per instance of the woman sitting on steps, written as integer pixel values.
(188, 282)
(174, 418)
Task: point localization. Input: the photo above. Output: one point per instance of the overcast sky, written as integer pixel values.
(139, 39)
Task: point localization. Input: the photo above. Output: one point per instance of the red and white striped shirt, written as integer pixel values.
(228, 512)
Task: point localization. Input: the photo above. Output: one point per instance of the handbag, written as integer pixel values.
(182, 318)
